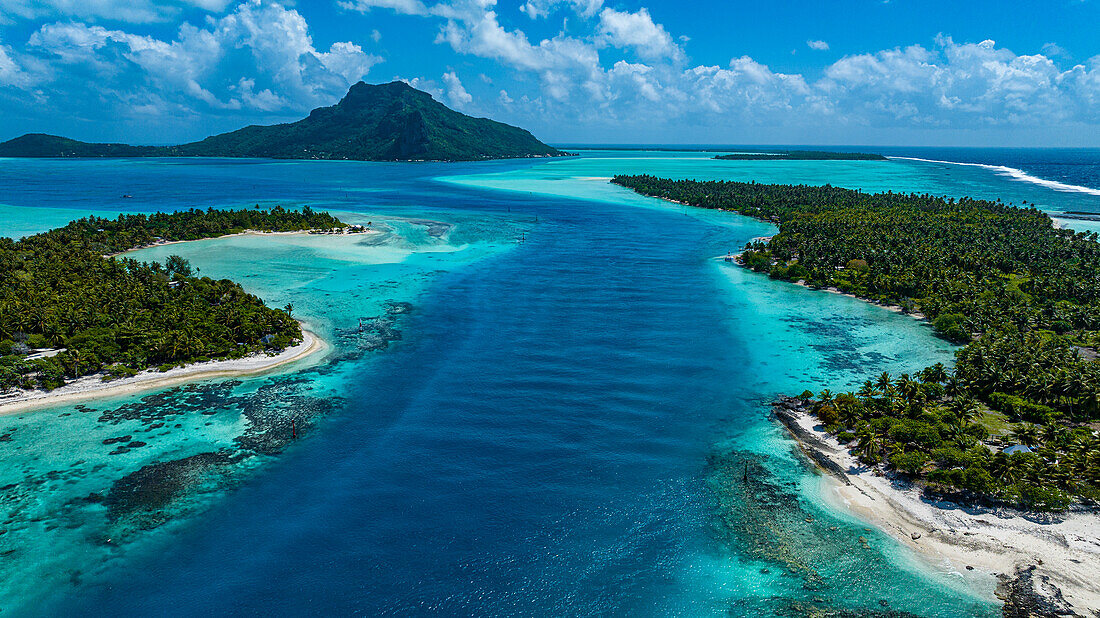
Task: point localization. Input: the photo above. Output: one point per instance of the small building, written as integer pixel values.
(1016, 448)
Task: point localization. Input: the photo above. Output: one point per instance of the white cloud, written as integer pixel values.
(426, 85)
(477, 31)
(606, 67)
(12, 74)
(1053, 49)
(746, 89)
(542, 8)
(945, 84)
(134, 11)
(260, 57)
(408, 7)
(637, 31)
(636, 79)
(456, 93)
(347, 60)
(264, 100)
(958, 83)
(898, 70)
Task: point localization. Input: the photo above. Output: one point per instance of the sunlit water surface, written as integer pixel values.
(551, 407)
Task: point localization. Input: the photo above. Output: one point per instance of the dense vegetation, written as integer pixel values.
(118, 315)
(387, 122)
(1022, 295)
(801, 155)
(131, 231)
(42, 145)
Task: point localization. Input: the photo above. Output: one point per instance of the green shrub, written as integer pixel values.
(978, 479)
(1040, 498)
(858, 265)
(949, 457)
(1018, 408)
(909, 431)
(114, 372)
(36, 340)
(951, 326)
(909, 462)
(798, 272)
(760, 262)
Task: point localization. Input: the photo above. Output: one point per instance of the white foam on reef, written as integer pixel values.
(1016, 174)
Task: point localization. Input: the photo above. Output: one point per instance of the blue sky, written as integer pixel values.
(899, 72)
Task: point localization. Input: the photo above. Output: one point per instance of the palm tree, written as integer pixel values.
(884, 383)
(868, 390)
(867, 446)
(912, 393)
(965, 409)
(935, 374)
(1054, 434)
(953, 385)
(1006, 469)
(77, 357)
(1026, 434)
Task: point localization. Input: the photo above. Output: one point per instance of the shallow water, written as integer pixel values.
(552, 426)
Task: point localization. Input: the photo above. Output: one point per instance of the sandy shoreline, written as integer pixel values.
(895, 308)
(92, 387)
(161, 243)
(1000, 542)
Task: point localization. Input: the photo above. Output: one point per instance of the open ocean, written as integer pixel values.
(547, 414)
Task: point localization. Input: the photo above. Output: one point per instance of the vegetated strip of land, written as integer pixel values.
(1024, 298)
(800, 155)
(67, 310)
(97, 386)
(1022, 295)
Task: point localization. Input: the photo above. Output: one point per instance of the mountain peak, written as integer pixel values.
(372, 122)
(395, 88)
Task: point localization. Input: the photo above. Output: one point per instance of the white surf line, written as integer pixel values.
(1016, 174)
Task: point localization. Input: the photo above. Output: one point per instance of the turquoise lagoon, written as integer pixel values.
(547, 413)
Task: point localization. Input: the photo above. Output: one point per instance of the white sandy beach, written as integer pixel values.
(92, 387)
(161, 243)
(1065, 548)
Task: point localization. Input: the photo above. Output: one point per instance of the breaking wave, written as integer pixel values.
(1017, 174)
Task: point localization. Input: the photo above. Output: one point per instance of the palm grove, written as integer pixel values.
(116, 315)
(1022, 295)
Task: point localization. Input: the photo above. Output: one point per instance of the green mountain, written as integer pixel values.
(42, 145)
(387, 122)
